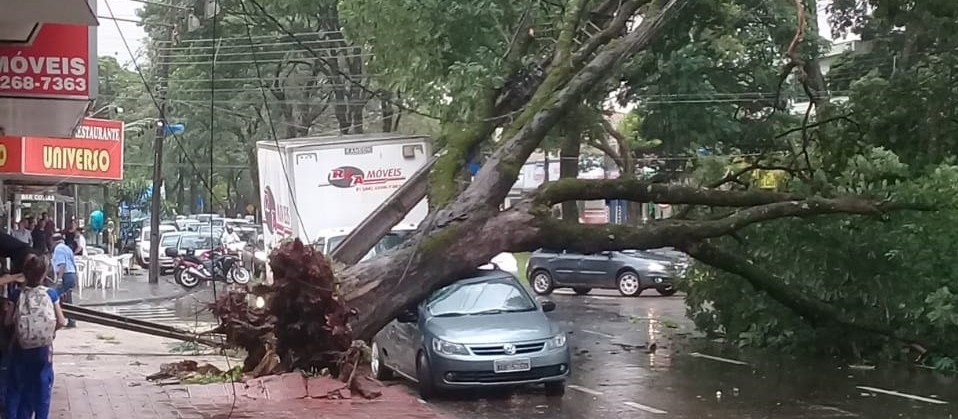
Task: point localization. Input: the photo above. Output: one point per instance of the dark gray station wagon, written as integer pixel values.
(630, 272)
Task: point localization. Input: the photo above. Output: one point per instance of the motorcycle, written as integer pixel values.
(215, 265)
(183, 261)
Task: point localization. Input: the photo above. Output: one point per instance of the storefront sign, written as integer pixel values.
(11, 154)
(95, 152)
(36, 197)
(55, 65)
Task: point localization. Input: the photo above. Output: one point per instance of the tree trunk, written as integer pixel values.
(386, 109)
(569, 169)
(193, 193)
(251, 158)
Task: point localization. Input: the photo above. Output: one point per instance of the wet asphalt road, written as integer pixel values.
(616, 376)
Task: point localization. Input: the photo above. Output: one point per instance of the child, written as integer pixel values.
(35, 319)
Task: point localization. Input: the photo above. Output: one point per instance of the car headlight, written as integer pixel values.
(449, 348)
(557, 341)
(655, 266)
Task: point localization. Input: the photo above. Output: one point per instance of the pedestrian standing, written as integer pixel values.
(81, 242)
(109, 238)
(37, 317)
(39, 240)
(48, 230)
(70, 235)
(22, 232)
(65, 272)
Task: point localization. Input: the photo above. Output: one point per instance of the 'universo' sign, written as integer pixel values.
(76, 159)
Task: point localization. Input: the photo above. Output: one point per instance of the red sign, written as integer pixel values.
(55, 64)
(11, 154)
(95, 152)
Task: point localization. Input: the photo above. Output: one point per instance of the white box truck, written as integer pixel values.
(320, 188)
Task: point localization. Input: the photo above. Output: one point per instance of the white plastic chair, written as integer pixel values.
(126, 263)
(108, 272)
(83, 274)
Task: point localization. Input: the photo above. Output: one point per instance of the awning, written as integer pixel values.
(20, 18)
(60, 117)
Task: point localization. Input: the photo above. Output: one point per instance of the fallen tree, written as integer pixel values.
(466, 225)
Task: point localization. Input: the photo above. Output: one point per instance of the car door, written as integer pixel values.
(566, 266)
(595, 269)
(406, 339)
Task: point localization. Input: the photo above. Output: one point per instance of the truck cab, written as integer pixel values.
(330, 239)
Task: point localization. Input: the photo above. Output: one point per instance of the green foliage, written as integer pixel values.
(899, 273)
(434, 50)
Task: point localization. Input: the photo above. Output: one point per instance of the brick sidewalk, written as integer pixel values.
(280, 397)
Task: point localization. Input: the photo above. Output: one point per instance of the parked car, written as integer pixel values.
(628, 271)
(168, 240)
(484, 330)
(143, 244)
(198, 243)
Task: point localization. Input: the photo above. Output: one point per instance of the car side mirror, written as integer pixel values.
(171, 252)
(408, 316)
(607, 254)
(548, 306)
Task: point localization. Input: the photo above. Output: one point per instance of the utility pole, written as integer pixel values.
(163, 73)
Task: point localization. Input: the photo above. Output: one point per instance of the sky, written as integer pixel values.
(109, 41)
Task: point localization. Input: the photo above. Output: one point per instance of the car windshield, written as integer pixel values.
(197, 242)
(169, 239)
(497, 295)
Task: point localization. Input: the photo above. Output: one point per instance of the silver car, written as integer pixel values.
(485, 330)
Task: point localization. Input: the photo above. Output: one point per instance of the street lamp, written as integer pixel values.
(117, 109)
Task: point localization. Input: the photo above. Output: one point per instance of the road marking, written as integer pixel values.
(584, 390)
(907, 396)
(715, 358)
(649, 409)
(593, 332)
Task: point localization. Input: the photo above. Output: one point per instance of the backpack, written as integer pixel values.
(36, 319)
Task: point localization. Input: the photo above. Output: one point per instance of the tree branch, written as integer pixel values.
(812, 310)
(570, 26)
(494, 180)
(591, 238)
(618, 24)
(644, 191)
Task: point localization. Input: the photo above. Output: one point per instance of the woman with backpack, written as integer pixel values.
(35, 318)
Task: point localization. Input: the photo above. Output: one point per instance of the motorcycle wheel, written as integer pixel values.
(240, 275)
(178, 275)
(189, 281)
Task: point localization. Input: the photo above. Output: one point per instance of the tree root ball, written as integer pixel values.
(304, 324)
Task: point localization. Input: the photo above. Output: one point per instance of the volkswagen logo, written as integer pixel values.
(509, 349)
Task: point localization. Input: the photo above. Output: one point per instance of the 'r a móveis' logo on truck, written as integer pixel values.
(349, 176)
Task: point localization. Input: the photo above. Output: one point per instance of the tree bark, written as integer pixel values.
(569, 169)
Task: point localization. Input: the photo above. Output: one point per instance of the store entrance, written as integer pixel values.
(27, 201)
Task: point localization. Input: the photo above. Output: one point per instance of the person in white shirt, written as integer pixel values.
(22, 231)
(231, 240)
(81, 242)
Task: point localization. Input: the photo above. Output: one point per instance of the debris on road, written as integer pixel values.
(303, 325)
(716, 358)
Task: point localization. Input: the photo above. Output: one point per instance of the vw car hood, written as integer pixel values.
(492, 328)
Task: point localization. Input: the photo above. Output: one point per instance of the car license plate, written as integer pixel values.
(512, 365)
